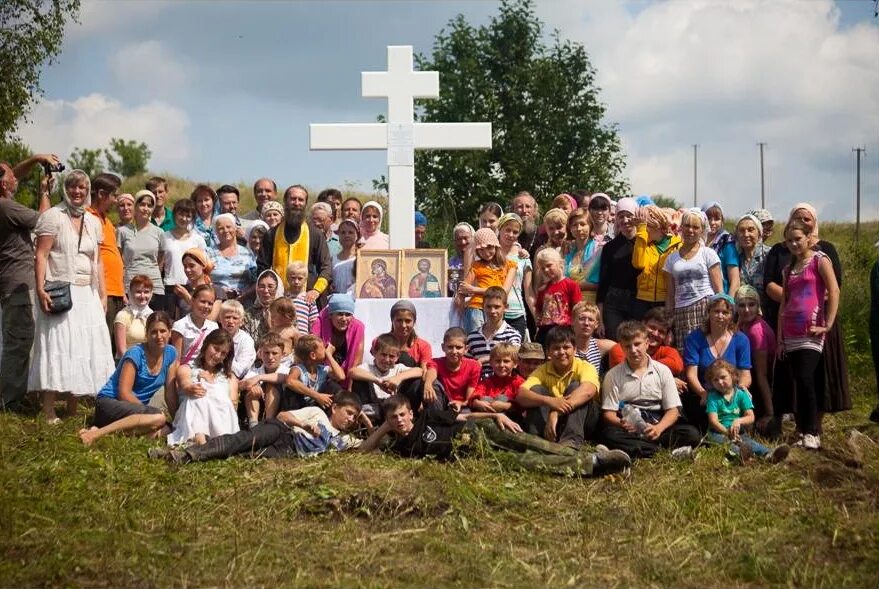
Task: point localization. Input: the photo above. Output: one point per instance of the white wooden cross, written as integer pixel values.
(400, 136)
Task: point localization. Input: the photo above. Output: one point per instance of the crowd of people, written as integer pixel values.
(594, 334)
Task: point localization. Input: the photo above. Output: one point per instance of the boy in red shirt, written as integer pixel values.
(453, 374)
(496, 394)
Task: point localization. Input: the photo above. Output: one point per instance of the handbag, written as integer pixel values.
(59, 290)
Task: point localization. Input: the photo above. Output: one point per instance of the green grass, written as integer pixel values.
(109, 516)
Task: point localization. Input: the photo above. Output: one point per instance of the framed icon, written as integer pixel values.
(423, 273)
(378, 274)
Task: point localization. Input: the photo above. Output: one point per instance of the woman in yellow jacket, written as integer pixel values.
(654, 242)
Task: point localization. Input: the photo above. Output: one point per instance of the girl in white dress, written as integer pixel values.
(208, 393)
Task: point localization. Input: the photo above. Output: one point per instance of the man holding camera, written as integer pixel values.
(17, 274)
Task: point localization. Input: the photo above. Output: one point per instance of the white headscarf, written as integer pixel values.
(71, 209)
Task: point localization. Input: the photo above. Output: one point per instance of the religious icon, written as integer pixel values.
(424, 271)
(377, 272)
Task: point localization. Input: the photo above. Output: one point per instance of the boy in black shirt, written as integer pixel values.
(433, 433)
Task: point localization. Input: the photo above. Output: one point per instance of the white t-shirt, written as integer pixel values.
(174, 249)
(691, 281)
(190, 334)
(245, 353)
(380, 393)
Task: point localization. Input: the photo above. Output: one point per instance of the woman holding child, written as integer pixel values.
(716, 339)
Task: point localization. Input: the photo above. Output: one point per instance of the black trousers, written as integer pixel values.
(803, 366)
(290, 401)
(678, 435)
(618, 306)
(269, 439)
(411, 388)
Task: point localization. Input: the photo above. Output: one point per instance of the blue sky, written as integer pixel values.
(224, 91)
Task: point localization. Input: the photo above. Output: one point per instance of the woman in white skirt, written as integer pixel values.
(71, 349)
(208, 393)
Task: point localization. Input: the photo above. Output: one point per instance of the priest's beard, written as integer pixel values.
(295, 217)
(529, 227)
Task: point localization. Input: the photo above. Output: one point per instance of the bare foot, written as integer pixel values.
(88, 436)
(199, 439)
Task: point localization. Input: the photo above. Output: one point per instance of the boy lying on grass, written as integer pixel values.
(434, 432)
(301, 432)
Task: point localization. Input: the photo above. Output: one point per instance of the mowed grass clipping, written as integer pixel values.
(109, 516)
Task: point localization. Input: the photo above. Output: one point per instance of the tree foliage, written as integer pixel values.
(32, 32)
(128, 158)
(87, 160)
(549, 133)
(14, 152)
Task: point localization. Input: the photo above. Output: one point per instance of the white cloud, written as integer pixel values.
(147, 69)
(90, 121)
(102, 16)
(725, 75)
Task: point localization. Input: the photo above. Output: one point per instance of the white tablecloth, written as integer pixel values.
(434, 317)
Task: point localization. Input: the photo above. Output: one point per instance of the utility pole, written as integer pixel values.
(858, 151)
(762, 178)
(695, 172)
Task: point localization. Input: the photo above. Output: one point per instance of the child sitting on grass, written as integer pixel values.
(208, 394)
(315, 377)
(493, 331)
(558, 395)
(649, 386)
(730, 410)
(385, 375)
(306, 310)
(263, 385)
(457, 375)
(531, 357)
(496, 394)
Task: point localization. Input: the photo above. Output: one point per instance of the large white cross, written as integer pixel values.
(400, 136)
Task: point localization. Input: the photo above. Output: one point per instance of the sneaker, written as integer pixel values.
(608, 461)
(178, 456)
(158, 453)
(779, 454)
(812, 442)
(745, 453)
(684, 453)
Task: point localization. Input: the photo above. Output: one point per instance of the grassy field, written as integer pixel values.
(109, 516)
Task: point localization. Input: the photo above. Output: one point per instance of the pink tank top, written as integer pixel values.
(804, 306)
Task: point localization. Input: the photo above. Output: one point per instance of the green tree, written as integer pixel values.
(128, 158)
(32, 32)
(14, 152)
(548, 127)
(87, 160)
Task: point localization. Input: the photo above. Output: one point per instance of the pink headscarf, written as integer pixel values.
(806, 207)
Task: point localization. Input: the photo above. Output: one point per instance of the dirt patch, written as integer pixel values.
(372, 505)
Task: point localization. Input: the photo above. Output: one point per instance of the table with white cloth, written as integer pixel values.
(434, 317)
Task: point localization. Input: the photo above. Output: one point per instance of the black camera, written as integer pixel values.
(50, 169)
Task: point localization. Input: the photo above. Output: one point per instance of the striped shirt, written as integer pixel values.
(306, 313)
(479, 348)
(591, 354)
